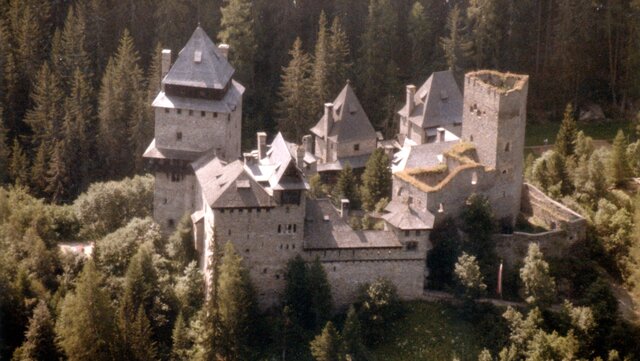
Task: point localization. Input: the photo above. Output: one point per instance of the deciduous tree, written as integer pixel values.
(539, 285)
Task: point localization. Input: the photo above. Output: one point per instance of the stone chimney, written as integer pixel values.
(224, 49)
(300, 157)
(306, 143)
(440, 135)
(411, 93)
(262, 145)
(166, 62)
(344, 208)
(328, 124)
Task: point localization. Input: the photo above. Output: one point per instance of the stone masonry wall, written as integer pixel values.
(172, 200)
(345, 149)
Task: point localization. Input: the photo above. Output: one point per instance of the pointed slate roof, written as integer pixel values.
(438, 102)
(200, 64)
(350, 122)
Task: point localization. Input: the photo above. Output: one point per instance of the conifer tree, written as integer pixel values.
(346, 187)
(328, 345)
(58, 176)
(168, 31)
(539, 286)
(72, 53)
(484, 32)
(568, 134)
(457, 48)
(295, 109)
(208, 345)
(143, 348)
(189, 291)
(618, 163)
(376, 179)
(321, 64)
(19, 165)
(122, 128)
(45, 119)
(238, 30)
(39, 343)
(180, 245)
(238, 307)
(321, 299)
(4, 150)
(181, 344)
(297, 293)
(38, 175)
(352, 337)
(339, 61)
(85, 327)
(420, 33)
(378, 69)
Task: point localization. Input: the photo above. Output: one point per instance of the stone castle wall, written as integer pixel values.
(346, 149)
(172, 200)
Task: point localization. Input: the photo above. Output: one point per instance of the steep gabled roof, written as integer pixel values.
(350, 122)
(438, 102)
(200, 64)
(405, 218)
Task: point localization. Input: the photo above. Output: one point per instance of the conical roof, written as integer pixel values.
(350, 122)
(200, 64)
(438, 102)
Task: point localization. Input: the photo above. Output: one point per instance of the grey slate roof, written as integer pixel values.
(335, 233)
(350, 122)
(438, 102)
(200, 64)
(358, 161)
(227, 104)
(228, 185)
(405, 218)
(154, 152)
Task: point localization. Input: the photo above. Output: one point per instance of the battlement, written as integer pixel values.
(495, 81)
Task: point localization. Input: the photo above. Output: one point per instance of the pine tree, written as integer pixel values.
(339, 60)
(39, 343)
(354, 346)
(72, 54)
(45, 119)
(238, 307)
(321, 300)
(85, 327)
(539, 286)
(295, 109)
(568, 134)
(189, 291)
(346, 187)
(58, 176)
(485, 32)
(237, 30)
(618, 163)
(4, 150)
(457, 48)
(174, 22)
(328, 345)
(421, 35)
(297, 293)
(378, 70)
(181, 345)
(19, 165)
(376, 180)
(321, 64)
(122, 129)
(143, 348)
(39, 170)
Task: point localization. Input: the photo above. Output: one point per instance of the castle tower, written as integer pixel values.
(198, 110)
(494, 119)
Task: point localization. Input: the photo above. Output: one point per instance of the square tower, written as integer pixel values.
(198, 111)
(494, 119)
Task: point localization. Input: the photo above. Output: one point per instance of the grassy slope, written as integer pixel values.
(435, 331)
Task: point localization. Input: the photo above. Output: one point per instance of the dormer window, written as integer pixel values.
(197, 56)
(444, 95)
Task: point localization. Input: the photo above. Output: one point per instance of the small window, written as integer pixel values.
(179, 111)
(286, 209)
(171, 223)
(471, 138)
(264, 270)
(190, 112)
(228, 117)
(507, 147)
(474, 178)
(294, 228)
(406, 233)
(441, 208)
(229, 232)
(279, 228)
(215, 114)
(167, 110)
(412, 246)
(356, 147)
(179, 136)
(246, 250)
(164, 201)
(504, 171)
(277, 277)
(417, 233)
(203, 113)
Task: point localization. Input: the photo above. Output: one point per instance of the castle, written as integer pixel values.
(449, 147)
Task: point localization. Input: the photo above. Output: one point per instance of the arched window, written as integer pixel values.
(507, 147)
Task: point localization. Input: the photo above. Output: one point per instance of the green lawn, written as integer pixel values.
(437, 331)
(538, 132)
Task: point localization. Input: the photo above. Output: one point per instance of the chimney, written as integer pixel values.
(306, 143)
(328, 124)
(262, 145)
(300, 157)
(411, 93)
(440, 135)
(344, 208)
(166, 62)
(224, 49)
